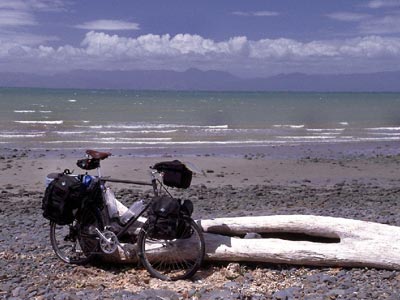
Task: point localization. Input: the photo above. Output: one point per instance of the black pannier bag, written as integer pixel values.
(93, 194)
(165, 207)
(175, 174)
(88, 163)
(62, 196)
(166, 215)
(184, 229)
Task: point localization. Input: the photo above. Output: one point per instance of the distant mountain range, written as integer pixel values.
(194, 79)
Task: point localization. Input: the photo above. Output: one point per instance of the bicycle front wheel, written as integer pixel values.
(172, 259)
(77, 242)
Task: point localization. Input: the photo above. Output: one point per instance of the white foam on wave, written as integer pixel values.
(21, 135)
(383, 128)
(325, 129)
(154, 131)
(344, 123)
(377, 139)
(138, 131)
(153, 126)
(289, 126)
(308, 137)
(72, 100)
(134, 139)
(24, 111)
(69, 132)
(327, 133)
(45, 111)
(386, 133)
(41, 122)
(231, 142)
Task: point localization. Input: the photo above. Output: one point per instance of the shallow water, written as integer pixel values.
(60, 119)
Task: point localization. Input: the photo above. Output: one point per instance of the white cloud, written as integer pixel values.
(48, 5)
(382, 25)
(33, 5)
(383, 3)
(97, 43)
(16, 18)
(263, 13)
(11, 4)
(16, 13)
(239, 55)
(370, 24)
(23, 38)
(348, 16)
(108, 25)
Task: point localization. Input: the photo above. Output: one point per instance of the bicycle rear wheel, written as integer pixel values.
(172, 259)
(77, 242)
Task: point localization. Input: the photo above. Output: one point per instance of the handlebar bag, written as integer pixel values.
(175, 173)
(61, 197)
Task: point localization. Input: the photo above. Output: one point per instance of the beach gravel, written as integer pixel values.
(30, 270)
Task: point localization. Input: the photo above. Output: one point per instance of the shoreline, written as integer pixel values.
(320, 165)
(272, 151)
(358, 181)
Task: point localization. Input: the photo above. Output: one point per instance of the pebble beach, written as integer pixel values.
(359, 181)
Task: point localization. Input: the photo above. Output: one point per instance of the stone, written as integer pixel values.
(232, 271)
(157, 294)
(388, 275)
(219, 295)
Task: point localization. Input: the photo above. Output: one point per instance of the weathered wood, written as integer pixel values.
(359, 243)
(320, 241)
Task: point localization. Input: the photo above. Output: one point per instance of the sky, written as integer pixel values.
(248, 38)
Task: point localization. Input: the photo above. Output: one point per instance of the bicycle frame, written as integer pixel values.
(132, 220)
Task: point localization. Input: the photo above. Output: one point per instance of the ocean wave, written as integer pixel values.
(21, 135)
(289, 126)
(324, 129)
(383, 128)
(327, 133)
(138, 131)
(165, 142)
(380, 139)
(40, 122)
(69, 132)
(166, 126)
(72, 100)
(386, 133)
(90, 127)
(344, 123)
(307, 137)
(24, 111)
(152, 126)
(45, 111)
(134, 139)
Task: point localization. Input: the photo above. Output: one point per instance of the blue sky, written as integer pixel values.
(248, 38)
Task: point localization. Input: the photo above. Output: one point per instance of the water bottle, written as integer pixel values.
(111, 203)
(86, 180)
(133, 210)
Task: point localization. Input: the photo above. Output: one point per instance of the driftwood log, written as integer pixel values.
(299, 240)
(303, 240)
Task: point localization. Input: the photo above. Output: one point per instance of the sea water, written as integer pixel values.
(123, 119)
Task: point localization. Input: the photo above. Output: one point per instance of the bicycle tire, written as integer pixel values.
(76, 243)
(179, 259)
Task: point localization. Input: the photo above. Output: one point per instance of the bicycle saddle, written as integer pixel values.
(98, 155)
